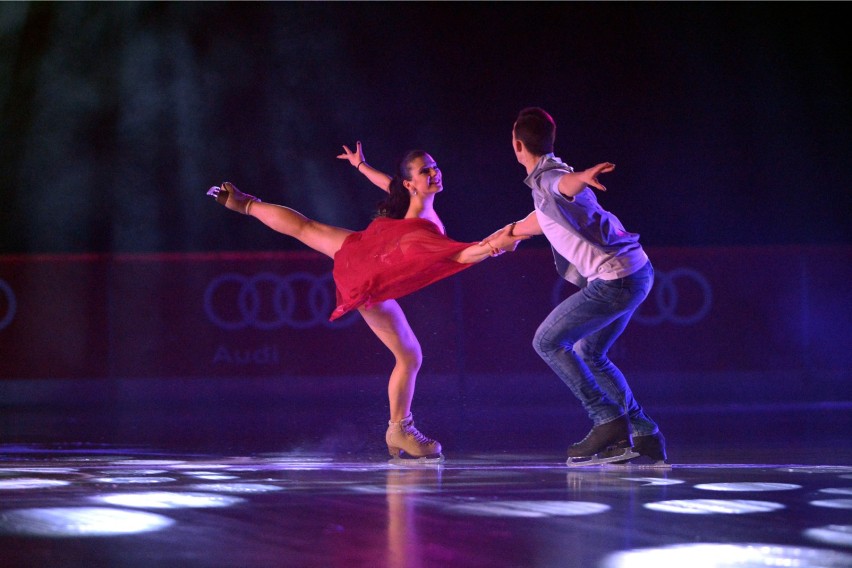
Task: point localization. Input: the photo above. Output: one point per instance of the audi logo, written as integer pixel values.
(9, 303)
(682, 296)
(269, 301)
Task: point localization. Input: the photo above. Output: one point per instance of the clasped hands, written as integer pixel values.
(503, 240)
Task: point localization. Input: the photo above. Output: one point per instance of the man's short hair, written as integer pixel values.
(536, 129)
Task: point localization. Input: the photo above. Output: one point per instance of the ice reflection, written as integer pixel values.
(200, 467)
(837, 490)
(133, 479)
(149, 462)
(838, 535)
(714, 506)
(167, 500)
(833, 503)
(79, 521)
(750, 486)
(236, 487)
(818, 469)
(128, 472)
(654, 480)
(711, 555)
(403, 488)
(51, 470)
(30, 483)
(210, 475)
(297, 462)
(529, 509)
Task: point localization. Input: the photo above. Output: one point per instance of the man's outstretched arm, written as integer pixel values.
(575, 182)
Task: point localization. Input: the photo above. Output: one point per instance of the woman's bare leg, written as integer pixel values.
(389, 324)
(323, 238)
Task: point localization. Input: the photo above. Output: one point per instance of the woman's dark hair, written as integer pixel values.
(536, 129)
(396, 204)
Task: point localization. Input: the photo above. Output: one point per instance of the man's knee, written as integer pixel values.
(543, 344)
(538, 344)
(590, 357)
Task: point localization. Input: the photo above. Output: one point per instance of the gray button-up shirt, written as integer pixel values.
(588, 242)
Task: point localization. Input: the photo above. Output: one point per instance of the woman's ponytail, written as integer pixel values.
(395, 206)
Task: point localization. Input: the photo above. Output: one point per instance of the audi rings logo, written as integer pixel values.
(269, 301)
(8, 304)
(682, 296)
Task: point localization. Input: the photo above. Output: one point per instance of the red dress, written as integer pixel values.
(390, 259)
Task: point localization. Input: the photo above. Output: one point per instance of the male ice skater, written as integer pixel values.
(593, 251)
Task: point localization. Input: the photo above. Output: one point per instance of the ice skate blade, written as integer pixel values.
(634, 464)
(628, 454)
(413, 461)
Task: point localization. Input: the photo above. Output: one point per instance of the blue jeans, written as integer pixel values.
(575, 338)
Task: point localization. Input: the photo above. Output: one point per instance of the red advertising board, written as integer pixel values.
(265, 314)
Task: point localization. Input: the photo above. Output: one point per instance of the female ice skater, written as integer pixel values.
(404, 249)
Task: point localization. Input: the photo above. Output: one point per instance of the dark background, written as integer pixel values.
(728, 122)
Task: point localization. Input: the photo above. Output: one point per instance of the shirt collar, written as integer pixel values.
(530, 181)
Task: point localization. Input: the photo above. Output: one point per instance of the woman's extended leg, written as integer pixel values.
(389, 324)
(323, 238)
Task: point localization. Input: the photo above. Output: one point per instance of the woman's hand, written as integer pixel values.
(504, 241)
(355, 158)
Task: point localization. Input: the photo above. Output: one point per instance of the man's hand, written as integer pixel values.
(590, 176)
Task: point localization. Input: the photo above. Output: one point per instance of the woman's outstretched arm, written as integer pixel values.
(356, 158)
(495, 245)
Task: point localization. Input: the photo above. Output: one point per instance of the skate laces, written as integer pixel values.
(410, 430)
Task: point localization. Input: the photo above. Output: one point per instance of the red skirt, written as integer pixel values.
(390, 259)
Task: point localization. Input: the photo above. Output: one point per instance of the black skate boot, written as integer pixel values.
(650, 450)
(652, 446)
(603, 444)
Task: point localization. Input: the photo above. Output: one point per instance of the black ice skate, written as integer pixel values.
(650, 450)
(605, 443)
